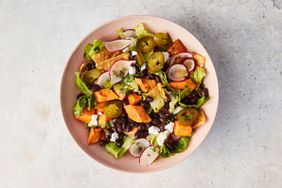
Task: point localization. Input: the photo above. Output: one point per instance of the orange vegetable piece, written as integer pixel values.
(85, 115)
(200, 120)
(185, 84)
(145, 84)
(176, 48)
(182, 130)
(94, 135)
(134, 98)
(105, 95)
(137, 114)
(102, 136)
(99, 106)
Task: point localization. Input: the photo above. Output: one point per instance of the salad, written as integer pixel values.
(141, 93)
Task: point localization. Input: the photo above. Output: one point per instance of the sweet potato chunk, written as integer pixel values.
(134, 98)
(94, 135)
(85, 115)
(145, 84)
(176, 48)
(137, 114)
(182, 130)
(185, 84)
(105, 95)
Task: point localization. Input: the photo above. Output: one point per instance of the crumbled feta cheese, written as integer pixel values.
(131, 70)
(133, 53)
(169, 127)
(162, 137)
(166, 56)
(94, 121)
(153, 130)
(177, 109)
(99, 113)
(114, 137)
(143, 67)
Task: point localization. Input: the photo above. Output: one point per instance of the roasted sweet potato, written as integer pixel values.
(85, 115)
(185, 84)
(200, 120)
(137, 114)
(182, 130)
(200, 60)
(134, 98)
(176, 48)
(94, 135)
(145, 84)
(105, 95)
(99, 106)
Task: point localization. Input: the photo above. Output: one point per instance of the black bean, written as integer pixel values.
(115, 121)
(162, 128)
(145, 104)
(118, 128)
(123, 126)
(169, 146)
(128, 128)
(125, 102)
(123, 115)
(157, 78)
(148, 125)
(156, 122)
(204, 92)
(103, 142)
(162, 119)
(149, 99)
(90, 66)
(94, 87)
(119, 142)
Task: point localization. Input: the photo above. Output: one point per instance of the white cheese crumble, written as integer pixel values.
(166, 56)
(99, 113)
(162, 137)
(177, 109)
(143, 67)
(94, 121)
(131, 70)
(133, 53)
(114, 137)
(169, 127)
(153, 130)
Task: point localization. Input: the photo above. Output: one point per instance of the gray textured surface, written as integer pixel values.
(244, 40)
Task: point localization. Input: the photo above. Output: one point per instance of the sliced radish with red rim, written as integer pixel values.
(149, 155)
(189, 64)
(118, 44)
(177, 72)
(179, 58)
(137, 148)
(105, 76)
(119, 69)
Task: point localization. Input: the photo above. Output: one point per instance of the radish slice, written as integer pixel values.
(177, 72)
(189, 64)
(120, 68)
(105, 76)
(138, 147)
(180, 57)
(129, 33)
(149, 155)
(117, 45)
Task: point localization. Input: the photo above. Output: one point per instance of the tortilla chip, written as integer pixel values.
(107, 63)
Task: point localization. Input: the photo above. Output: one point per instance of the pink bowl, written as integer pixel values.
(69, 93)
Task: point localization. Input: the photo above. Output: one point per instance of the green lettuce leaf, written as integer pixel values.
(164, 80)
(200, 102)
(198, 75)
(165, 152)
(90, 102)
(116, 151)
(94, 48)
(81, 85)
(79, 105)
(140, 31)
(181, 145)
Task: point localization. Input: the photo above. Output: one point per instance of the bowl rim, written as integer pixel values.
(64, 75)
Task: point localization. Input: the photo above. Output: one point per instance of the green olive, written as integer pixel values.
(155, 62)
(187, 116)
(146, 44)
(91, 75)
(162, 40)
(113, 109)
(140, 58)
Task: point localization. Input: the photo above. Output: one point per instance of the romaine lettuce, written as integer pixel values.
(81, 85)
(140, 31)
(116, 151)
(198, 75)
(94, 48)
(79, 105)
